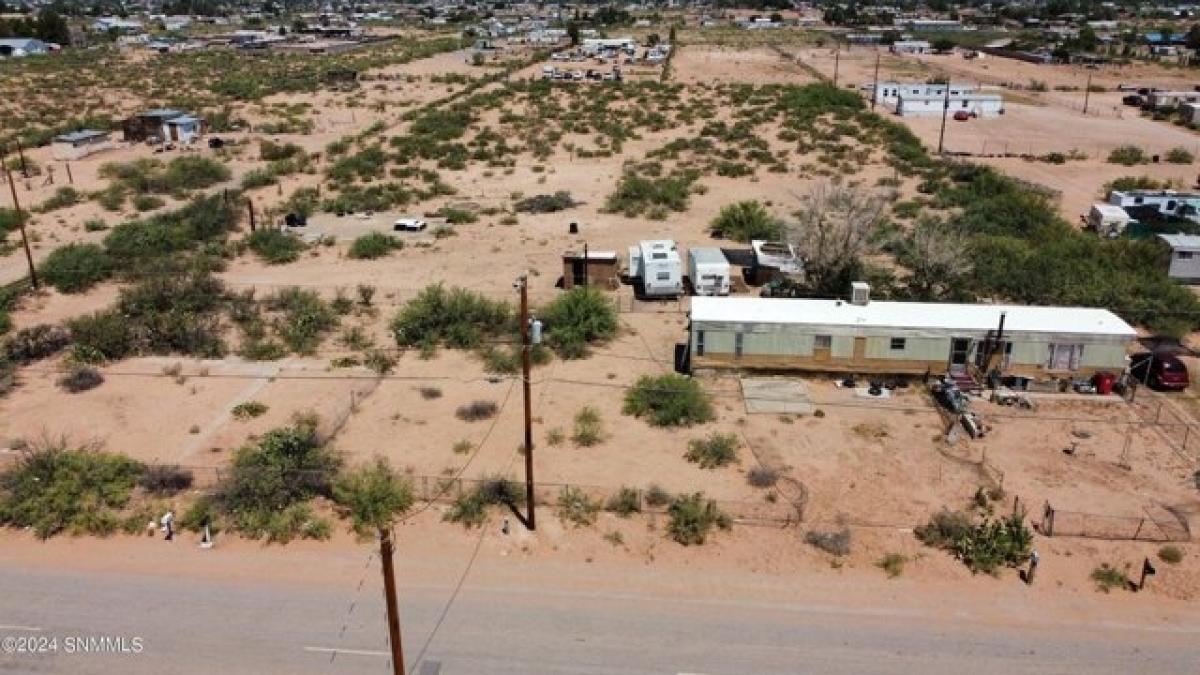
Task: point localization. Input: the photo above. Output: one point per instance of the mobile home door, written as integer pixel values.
(960, 351)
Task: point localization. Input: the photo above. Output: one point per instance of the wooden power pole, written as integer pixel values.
(526, 345)
(945, 111)
(12, 184)
(836, 58)
(1087, 93)
(875, 84)
(393, 607)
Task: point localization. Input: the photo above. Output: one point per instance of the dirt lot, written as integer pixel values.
(875, 465)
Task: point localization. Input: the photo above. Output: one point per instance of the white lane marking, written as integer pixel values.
(30, 629)
(338, 650)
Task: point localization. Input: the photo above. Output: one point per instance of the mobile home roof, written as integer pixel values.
(910, 315)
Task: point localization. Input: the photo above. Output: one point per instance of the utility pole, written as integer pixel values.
(12, 185)
(21, 155)
(250, 207)
(875, 86)
(945, 111)
(393, 608)
(523, 283)
(1087, 93)
(837, 53)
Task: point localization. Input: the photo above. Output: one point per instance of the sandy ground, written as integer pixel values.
(863, 463)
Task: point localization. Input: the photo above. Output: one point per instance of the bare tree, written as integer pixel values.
(832, 231)
(936, 255)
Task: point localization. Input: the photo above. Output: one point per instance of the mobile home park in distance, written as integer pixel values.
(862, 336)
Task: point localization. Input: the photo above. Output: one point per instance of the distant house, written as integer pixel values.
(890, 92)
(163, 125)
(911, 47)
(1185, 257)
(858, 335)
(79, 144)
(18, 47)
(117, 24)
(980, 105)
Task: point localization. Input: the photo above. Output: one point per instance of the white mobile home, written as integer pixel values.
(911, 47)
(890, 92)
(979, 105)
(594, 46)
(656, 268)
(709, 271)
(861, 336)
(1167, 202)
(1163, 100)
(1185, 257)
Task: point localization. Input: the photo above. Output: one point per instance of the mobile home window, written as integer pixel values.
(663, 276)
(823, 342)
(737, 344)
(1170, 204)
(1185, 255)
(898, 344)
(1064, 357)
(699, 343)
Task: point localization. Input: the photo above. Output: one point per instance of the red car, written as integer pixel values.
(1159, 370)
(962, 115)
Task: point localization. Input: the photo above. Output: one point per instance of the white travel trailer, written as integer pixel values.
(708, 271)
(656, 268)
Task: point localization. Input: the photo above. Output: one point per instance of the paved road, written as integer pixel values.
(230, 628)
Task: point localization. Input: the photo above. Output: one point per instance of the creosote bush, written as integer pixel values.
(1128, 155)
(625, 502)
(589, 428)
(166, 479)
(249, 410)
(693, 518)
(81, 378)
(746, 221)
(984, 544)
(454, 317)
(574, 506)
(713, 452)
(372, 496)
(275, 247)
(477, 410)
(374, 245)
(668, 400)
(762, 477)
(582, 316)
(836, 542)
(75, 268)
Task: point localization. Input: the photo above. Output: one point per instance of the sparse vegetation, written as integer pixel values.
(762, 477)
(454, 317)
(668, 400)
(372, 496)
(625, 502)
(714, 451)
(374, 245)
(693, 518)
(1108, 578)
(744, 221)
(836, 542)
(477, 410)
(575, 507)
(75, 268)
(1128, 155)
(892, 564)
(81, 378)
(249, 410)
(589, 428)
(984, 544)
(1170, 554)
(578, 318)
(275, 247)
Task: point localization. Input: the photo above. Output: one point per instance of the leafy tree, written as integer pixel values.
(373, 496)
(581, 316)
(573, 32)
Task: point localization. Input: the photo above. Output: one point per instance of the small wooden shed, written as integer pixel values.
(595, 268)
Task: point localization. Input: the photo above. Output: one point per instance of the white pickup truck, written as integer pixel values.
(408, 225)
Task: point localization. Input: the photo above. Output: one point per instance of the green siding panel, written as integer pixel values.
(842, 347)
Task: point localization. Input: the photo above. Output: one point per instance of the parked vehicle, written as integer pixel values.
(962, 115)
(1159, 370)
(1133, 100)
(708, 271)
(409, 225)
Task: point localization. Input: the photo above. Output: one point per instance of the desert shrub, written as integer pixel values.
(577, 318)
(836, 542)
(762, 477)
(53, 488)
(983, 546)
(147, 202)
(636, 194)
(305, 318)
(1127, 183)
(102, 335)
(256, 178)
(559, 201)
(589, 428)
(275, 247)
(430, 393)
(35, 343)
(455, 317)
(203, 511)
(76, 267)
(1180, 156)
(693, 517)
(892, 564)
(249, 410)
(269, 151)
(713, 452)
(174, 311)
(624, 503)
(9, 220)
(81, 378)
(744, 221)
(477, 410)
(379, 361)
(668, 400)
(372, 496)
(471, 508)
(1108, 578)
(63, 197)
(193, 172)
(272, 478)
(374, 245)
(455, 216)
(1170, 554)
(1128, 155)
(657, 496)
(165, 479)
(574, 506)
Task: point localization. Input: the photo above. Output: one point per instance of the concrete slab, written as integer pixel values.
(772, 395)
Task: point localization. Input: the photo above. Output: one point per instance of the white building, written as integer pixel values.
(890, 92)
(979, 105)
(18, 47)
(593, 46)
(1185, 256)
(1166, 202)
(911, 47)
